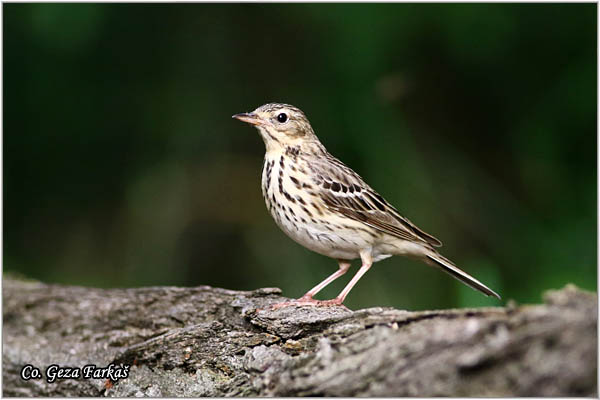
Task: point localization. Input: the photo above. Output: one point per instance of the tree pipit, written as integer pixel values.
(328, 208)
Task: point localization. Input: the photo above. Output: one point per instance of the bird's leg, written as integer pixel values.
(344, 266)
(307, 299)
(367, 261)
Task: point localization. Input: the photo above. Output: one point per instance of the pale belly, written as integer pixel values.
(339, 244)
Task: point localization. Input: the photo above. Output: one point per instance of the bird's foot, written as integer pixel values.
(309, 301)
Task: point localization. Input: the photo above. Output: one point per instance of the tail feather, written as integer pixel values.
(448, 267)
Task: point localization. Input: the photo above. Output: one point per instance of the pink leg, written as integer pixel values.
(344, 266)
(367, 261)
(307, 299)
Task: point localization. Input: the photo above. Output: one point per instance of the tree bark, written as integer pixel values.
(205, 341)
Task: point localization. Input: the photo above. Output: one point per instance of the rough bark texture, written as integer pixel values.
(205, 341)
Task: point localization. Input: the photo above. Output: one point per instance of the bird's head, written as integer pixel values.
(280, 125)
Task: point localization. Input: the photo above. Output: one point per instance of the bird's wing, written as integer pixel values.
(345, 192)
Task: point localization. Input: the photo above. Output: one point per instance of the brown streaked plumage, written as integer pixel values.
(327, 207)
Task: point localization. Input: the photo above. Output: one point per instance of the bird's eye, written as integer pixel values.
(282, 117)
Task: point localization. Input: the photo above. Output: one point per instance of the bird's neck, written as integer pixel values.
(294, 149)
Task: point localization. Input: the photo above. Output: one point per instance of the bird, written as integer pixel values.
(328, 208)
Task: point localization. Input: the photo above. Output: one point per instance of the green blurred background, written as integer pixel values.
(123, 167)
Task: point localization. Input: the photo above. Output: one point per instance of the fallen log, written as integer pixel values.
(205, 341)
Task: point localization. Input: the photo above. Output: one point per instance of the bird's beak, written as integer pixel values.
(250, 118)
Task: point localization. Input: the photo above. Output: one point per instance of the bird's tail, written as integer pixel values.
(446, 265)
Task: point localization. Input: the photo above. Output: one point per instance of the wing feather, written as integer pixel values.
(344, 191)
